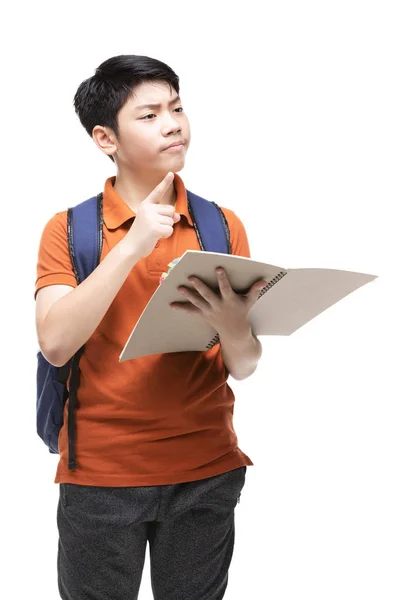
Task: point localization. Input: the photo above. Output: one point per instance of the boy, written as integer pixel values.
(157, 455)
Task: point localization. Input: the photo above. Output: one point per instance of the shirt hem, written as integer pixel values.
(128, 480)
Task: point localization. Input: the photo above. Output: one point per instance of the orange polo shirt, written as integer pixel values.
(156, 420)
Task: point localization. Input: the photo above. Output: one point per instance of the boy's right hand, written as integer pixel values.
(153, 220)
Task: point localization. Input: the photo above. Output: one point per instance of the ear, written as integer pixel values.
(105, 139)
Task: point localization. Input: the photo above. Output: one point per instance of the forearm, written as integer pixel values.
(73, 318)
(241, 351)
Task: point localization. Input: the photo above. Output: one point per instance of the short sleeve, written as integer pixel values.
(239, 241)
(54, 265)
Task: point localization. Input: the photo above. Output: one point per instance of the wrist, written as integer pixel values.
(128, 250)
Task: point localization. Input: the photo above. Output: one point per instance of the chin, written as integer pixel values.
(176, 165)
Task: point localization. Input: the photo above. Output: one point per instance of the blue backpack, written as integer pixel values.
(85, 240)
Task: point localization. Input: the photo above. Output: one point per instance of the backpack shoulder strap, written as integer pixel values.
(85, 235)
(210, 224)
(85, 242)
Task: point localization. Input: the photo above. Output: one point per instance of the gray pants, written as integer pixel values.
(103, 534)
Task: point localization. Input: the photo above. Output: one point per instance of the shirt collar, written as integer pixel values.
(116, 211)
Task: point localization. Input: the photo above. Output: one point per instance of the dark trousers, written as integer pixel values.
(103, 534)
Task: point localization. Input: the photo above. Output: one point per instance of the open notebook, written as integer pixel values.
(292, 298)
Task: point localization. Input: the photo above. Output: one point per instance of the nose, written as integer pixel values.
(173, 125)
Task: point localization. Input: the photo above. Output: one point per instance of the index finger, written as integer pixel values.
(156, 195)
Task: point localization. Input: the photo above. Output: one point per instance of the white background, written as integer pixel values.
(294, 111)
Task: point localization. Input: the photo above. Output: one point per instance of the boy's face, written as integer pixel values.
(145, 132)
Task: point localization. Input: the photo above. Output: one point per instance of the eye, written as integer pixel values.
(153, 115)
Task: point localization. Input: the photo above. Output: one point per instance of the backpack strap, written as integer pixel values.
(85, 242)
(210, 224)
(85, 236)
(212, 230)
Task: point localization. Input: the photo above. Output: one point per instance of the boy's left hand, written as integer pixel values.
(222, 312)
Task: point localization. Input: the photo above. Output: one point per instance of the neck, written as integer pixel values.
(133, 189)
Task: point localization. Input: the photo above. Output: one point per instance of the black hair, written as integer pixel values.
(99, 99)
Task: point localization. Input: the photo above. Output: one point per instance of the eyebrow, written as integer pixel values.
(156, 105)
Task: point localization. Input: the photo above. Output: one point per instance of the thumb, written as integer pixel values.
(156, 195)
(256, 289)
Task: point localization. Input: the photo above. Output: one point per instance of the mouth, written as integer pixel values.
(175, 147)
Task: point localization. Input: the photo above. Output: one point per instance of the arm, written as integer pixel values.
(66, 317)
(241, 351)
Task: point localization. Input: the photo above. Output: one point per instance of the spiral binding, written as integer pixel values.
(265, 289)
(213, 342)
(271, 283)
